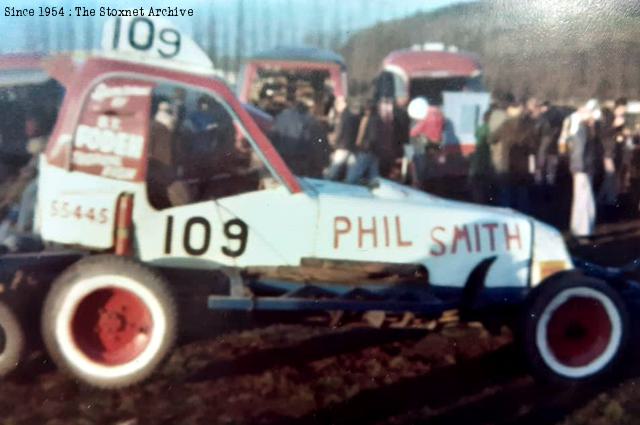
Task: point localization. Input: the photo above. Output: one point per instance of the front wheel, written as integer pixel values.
(109, 321)
(574, 329)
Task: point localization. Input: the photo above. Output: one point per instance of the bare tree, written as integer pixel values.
(226, 44)
(44, 35)
(279, 40)
(317, 24)
(212, 45)
(58, 34)
(335, 28)
(89, 35)
(267, 25)
(293, 28)
(198, 29)
(240, 34)
(29, 36)
(254, 38)
(349, 18)
(625, 80)
(70, 41)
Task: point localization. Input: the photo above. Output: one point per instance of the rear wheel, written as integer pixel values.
(574, 329)
(109, 321)
(11, 340)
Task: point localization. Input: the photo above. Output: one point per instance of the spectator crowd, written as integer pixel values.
(532, 156)
(544, 160)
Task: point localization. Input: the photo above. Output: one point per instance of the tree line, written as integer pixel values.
(585, 48)
(230, 32)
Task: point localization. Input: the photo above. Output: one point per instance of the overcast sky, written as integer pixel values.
(301, 15)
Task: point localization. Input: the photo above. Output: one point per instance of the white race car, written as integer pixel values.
(154, 164)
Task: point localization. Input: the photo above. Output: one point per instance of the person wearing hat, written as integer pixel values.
(426, 139)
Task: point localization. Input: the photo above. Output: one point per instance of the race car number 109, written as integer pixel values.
(284, 242)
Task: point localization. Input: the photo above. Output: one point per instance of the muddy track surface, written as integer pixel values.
(309, 375)
(280, 373)
(302, 374)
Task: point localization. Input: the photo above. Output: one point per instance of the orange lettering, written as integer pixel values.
(512, 236)
(476, 229)
(460, 233)
(491, 227)
(385, 220)
(371, 231)
(442, 247)
(399, 234)
(342, 230)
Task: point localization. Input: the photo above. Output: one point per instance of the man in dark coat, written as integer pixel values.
(614, 133)
(394, 134)
(291, 136)
(368, 147)
(345, 139)
(515, 140)
(481, 172)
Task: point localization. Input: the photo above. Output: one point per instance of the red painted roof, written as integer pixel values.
(300, 54)
(95, 68)
(21, 69)
(420, 63)
(18, 61)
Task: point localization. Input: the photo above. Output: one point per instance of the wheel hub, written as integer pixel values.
(579, 331)
(112, 326)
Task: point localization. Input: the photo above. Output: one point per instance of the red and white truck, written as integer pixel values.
(448, 79)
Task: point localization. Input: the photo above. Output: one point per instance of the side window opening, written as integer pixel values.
(198, 150)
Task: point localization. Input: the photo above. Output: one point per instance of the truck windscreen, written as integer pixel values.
(432, 88)
(275, 89)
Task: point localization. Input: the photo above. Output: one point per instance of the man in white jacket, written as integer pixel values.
(583, 141)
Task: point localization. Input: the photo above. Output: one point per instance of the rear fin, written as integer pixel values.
(155, 41)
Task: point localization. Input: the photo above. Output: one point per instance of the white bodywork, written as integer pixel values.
(384, 223)
(388, 224)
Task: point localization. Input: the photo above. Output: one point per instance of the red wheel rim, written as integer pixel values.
(579, 331)
(112, 326)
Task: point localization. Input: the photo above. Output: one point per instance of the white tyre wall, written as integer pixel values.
(601, 360)
(574, 329)
(109, 321)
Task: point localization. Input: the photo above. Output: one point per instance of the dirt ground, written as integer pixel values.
(315, 374)
(278, 373)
